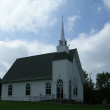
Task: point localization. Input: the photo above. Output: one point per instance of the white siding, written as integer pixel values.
(70, 76)
(19, 90)
(67, 71)
(78, 80)
(63, 48)
(60, 72)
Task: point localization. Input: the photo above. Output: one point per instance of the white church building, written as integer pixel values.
(48, 76)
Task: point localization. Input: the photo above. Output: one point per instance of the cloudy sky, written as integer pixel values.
(32, 27)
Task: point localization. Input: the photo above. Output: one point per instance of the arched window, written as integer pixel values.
(48, 88)
(28, 87)
(75, 91)
(70, 89)
(59, 82)
(10, 90)
(60, 89)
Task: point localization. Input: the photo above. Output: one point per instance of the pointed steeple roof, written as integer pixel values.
(62, 30)
(62, 47)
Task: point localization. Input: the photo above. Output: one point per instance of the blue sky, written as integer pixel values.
(31, 27)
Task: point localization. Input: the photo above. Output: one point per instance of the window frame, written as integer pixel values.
(28, 89)
(48, 88)
(10, 89)
(75, 91)
(70, 87)
(60, 90)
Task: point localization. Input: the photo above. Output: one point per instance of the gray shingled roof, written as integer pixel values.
(35, 67)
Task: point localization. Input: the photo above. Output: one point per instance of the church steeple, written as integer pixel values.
(62, 30)
(62, 42)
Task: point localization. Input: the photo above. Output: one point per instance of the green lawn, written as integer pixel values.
(14, 105)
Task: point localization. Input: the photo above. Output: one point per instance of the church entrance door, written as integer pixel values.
(60, 89)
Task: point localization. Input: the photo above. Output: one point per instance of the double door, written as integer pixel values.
(60, 91)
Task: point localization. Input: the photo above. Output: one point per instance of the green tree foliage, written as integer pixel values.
(0, 87)
(88, 88)
(103, 85)
(102, 80)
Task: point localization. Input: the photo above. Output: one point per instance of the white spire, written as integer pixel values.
(62, 47)
(62, 30)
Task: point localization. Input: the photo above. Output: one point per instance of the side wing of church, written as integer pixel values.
(49, 76)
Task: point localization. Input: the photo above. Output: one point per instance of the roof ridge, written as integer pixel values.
(43, 54)
(36, 55)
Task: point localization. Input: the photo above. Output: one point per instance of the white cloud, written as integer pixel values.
(107, 4)
(27, 15)
(11, 50)
(71, 21)
(94, 50)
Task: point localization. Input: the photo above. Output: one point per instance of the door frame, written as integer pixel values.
(60, 86)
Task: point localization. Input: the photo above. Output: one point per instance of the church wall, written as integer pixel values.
(66, 70)
(74, 75)
(70, 77)
(78, 81)
(19, 90)
(60, 72)
(61, 69)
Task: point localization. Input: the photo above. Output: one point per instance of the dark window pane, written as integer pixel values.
(62, 95)
(10, 90)
(60, 89)
(27, 92)
(28, 89)
(48, 88)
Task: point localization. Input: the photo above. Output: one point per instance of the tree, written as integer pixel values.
(0, 87)
(102, 80)
(103, 85)
(88, 88)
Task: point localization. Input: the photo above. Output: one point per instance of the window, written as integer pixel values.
(59, 82)
(60, 89)
(75, 91)
(48, 88)
(61, 42)
(28, 89)
(70, 89)
(10, 90)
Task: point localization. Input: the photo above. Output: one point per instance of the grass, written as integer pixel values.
(15, 105)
